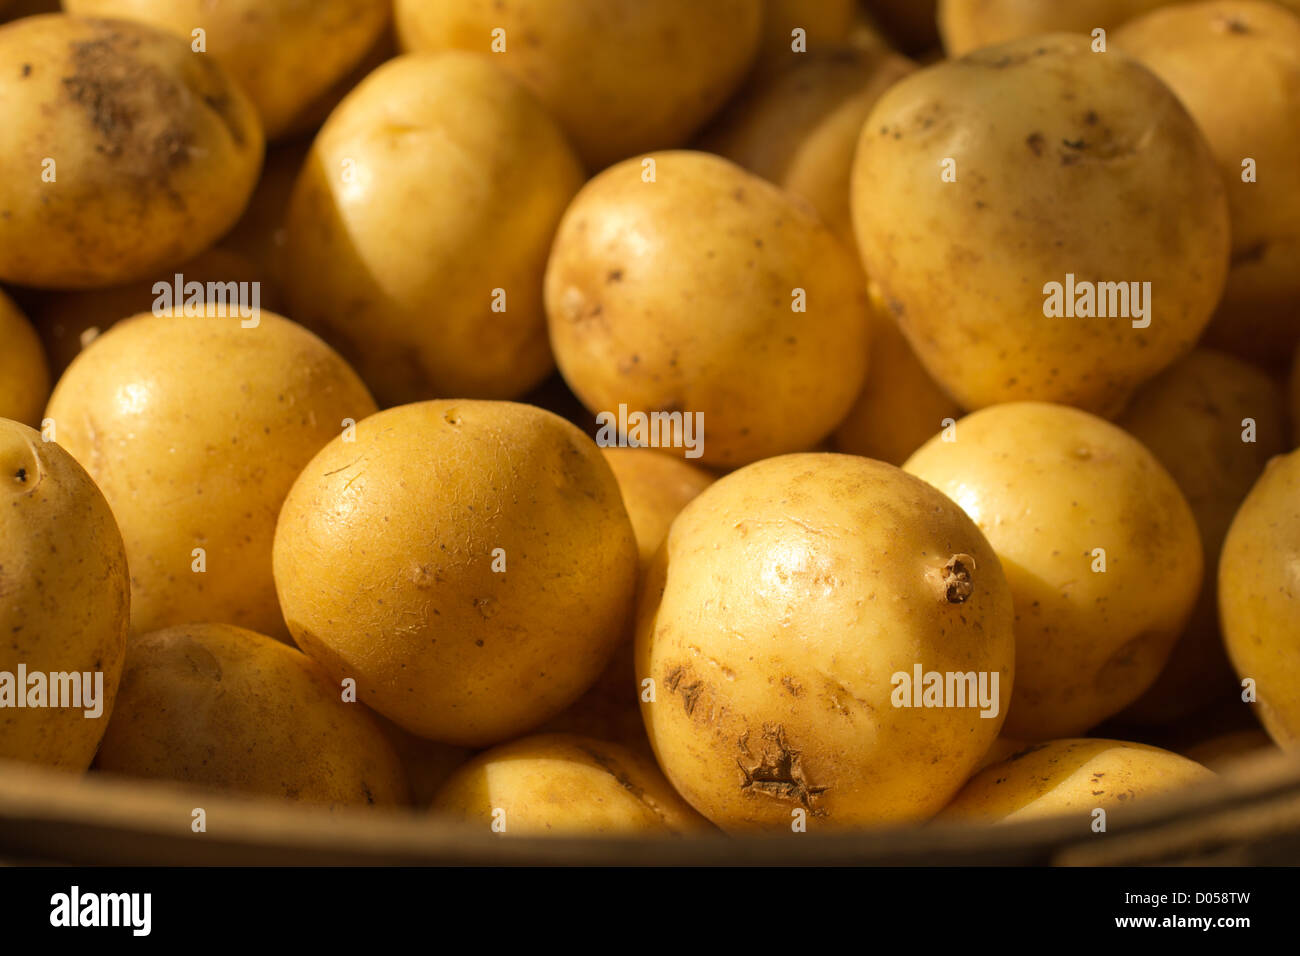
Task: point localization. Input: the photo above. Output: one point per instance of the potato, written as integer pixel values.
(778, 621)
(1195, 418)
(1099, 546)
(826, 25)
(469, 564)
(1072, 778)
(621, 76)
(969, 24)
(66, 603)
(1259, 603)
(565, 785)
(419, 228)
(1236, 67)
(1052, 146)
(195, 428)
(125, 152)
(284, 53)
(24, 372)
(1225, 752)
(680, 295)
(229, 709)
(1002, 748)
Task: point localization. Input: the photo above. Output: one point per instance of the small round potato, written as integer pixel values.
(470, 564)
(782, 622)
(565, 785)
(1097, 541)
(125, 152)
(195, 428)
(229, 709)
(1072, 778)
(969, 24)
(419, 228)
(621, 76)
(985, 195)
(65, 600)
(24, 371)
(1259, 601)
(708, 293)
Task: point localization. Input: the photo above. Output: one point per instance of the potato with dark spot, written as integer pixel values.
(1044, 223)
(1097, 541)
(782, 623)
(24, 372)
(969, 24)
(64, 602)
(565, 785)
(229, 709)
(125, 152)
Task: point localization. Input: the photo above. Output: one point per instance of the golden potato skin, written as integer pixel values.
(655, 488)
(1236, 67)
(1191, 418)
(156, 151)
(565, 785)
(436, 182)
(1053, 145)
(969, 24)
(283, 53)
(771, 622)
(1048, 485)
(1259, 602)
(621, 76)
(66, 595)
(679, 295)
(195, 428)
(1072, 777)
(385, 554)
(24, 371)
(229, 709)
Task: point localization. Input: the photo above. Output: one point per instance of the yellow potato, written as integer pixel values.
(65, 603)
(1259, 600)
(825, 25)
(284, 53)
(1099, 545)
(969, 24)
(1050, 145)
(470, 564)
(680, 295)
(1195, 418)
(1235, 65)
(1072, 778)
(780, 623)
(1002, 748)
(195, 428)
(565, 785)
(124, 151)
(419, 228)
(621, 76)
(24, 372)
(230, 709)
(1224, 752)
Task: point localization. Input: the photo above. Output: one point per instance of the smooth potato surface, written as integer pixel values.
(24, 372)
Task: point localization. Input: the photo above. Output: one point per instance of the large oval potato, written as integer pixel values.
(125, 152)
(66, 601)
(775, 623)
(969, 24)
(621, 76)
(24, 371)
(230, 709)
(195, 428)
(1098, 544)
(1050, 145)
(470, 564)
(681, 295)
(419, 228)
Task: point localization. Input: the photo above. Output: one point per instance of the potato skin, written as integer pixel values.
(565, 785)
(66, 595)
(24, 371)
(384, 557)
(1048, 484)
(678, 295)
(827, 25)
(771, 622)
(1053, 145)
(437, 181)
(195, 428)
(969, 24)
(226, 708)
(156, 151)
(1258, 601)
(621, 76)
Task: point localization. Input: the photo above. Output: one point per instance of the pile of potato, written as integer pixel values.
(317, 315)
